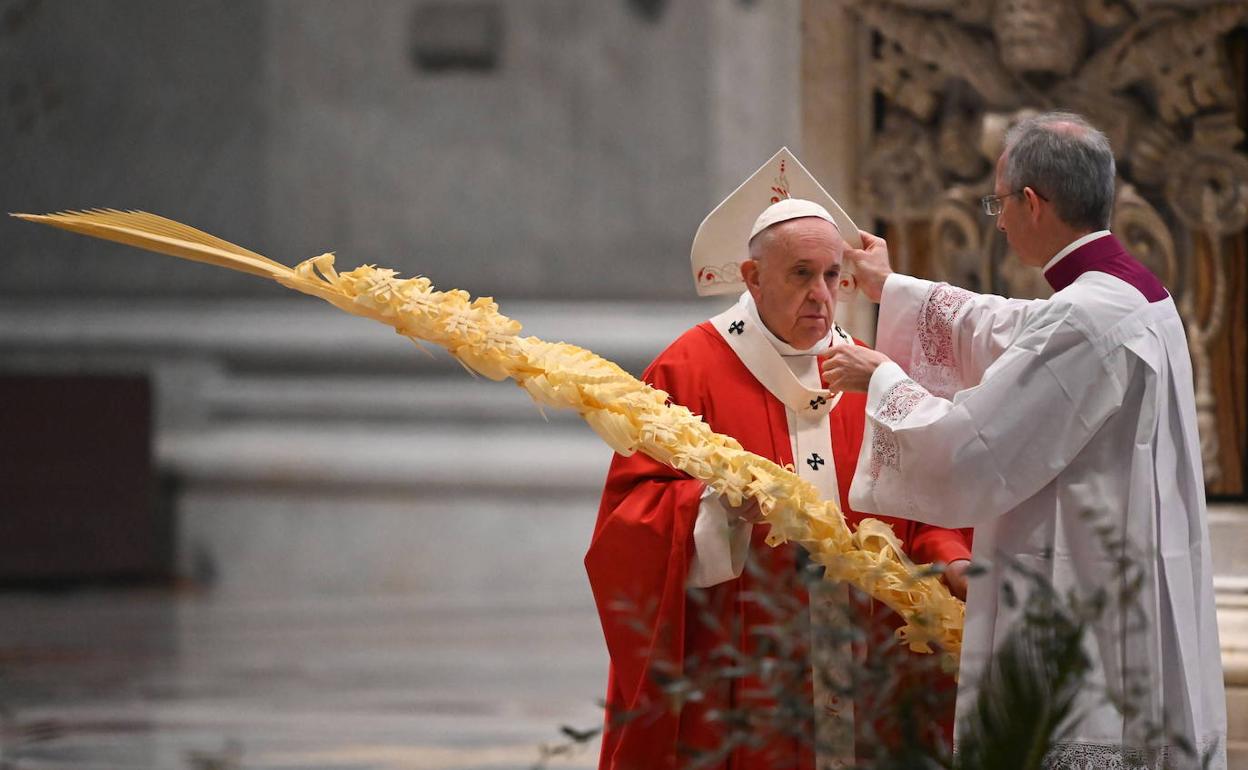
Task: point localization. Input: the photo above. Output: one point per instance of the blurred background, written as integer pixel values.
(239, 528)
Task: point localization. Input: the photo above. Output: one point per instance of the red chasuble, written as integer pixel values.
(642, 548)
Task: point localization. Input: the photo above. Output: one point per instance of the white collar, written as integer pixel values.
(782, 347)
(1074, 245)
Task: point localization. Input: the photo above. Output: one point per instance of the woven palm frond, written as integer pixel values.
(155, 233)
(625, 412)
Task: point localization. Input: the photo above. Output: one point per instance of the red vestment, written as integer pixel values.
(642, 546)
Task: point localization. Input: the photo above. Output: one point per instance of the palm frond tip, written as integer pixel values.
(156, 233)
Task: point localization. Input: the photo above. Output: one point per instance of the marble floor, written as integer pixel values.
(154, 679)
(183, 680)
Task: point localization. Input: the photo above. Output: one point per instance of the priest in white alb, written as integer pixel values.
(1053, 427)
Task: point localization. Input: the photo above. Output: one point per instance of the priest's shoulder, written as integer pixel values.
(1097, 301)
(1083, 311)
(689, 350)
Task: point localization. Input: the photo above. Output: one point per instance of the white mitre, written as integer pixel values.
(780, 190)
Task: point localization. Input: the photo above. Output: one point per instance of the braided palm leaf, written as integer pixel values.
(628, 414)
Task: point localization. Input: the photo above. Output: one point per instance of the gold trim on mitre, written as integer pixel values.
(722, 241)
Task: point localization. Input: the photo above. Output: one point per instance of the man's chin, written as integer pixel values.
(810, 333)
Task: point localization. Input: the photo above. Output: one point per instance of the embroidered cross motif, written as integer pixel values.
(817, 402)
(736, 327)
(814, 461)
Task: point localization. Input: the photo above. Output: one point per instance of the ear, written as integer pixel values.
(749, 272)
(1034, 203)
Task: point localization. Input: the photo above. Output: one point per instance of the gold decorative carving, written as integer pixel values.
(959, 240)
(1146, 235)
(949, 78)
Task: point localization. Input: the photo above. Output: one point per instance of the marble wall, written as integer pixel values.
(556, 154)
(151, 105)
(577, 159)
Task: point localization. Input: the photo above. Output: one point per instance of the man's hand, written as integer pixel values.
(955, 577)
(870, 265)
(849, 367)
(748, 510)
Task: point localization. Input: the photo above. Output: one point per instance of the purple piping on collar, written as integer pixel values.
(1105, 255)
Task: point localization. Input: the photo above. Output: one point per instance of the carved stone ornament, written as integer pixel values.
(949, 77)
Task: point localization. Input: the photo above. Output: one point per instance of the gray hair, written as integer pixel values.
(1065, 159)
(763, 242)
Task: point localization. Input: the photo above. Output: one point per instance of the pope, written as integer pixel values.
(751, 372)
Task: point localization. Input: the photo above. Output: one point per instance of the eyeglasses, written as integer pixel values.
(993, 203)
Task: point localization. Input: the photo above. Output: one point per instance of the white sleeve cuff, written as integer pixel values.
(862, 489)
(721, 541)
(885, 376)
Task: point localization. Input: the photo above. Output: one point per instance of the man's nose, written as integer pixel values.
(1000, 223)
(819, 292)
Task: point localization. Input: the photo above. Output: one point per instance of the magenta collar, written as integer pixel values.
(1105, 255)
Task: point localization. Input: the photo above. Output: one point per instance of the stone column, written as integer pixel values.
(835, 123)
(754, 82)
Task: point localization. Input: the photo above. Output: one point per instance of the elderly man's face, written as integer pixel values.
(1017, 220)
(793, 278)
